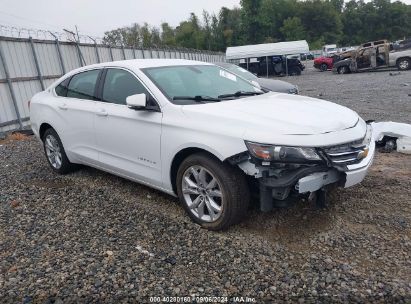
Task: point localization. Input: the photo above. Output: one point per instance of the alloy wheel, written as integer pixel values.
(53, 151)
(404, 64)
(202, 193)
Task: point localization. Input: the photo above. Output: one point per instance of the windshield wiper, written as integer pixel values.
(240, 93)
(197, 98)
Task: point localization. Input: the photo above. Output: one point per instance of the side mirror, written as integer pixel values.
(137, 101)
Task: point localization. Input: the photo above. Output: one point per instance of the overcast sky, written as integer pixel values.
(94, 17)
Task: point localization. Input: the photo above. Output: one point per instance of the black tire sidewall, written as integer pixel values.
(224, 174)
(399, 63)
(294, 72)
(322, 69)
(66, 166)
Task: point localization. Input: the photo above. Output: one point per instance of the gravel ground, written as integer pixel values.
(93, 237)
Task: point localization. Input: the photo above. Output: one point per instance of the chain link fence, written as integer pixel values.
(29, 65)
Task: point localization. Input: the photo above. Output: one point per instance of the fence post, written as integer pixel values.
(151, 53)
(134, 53)
(97, 54)
(142, 53)
(63, 68)
(13, 96)
(124, 52)
(111, 53)
(36, 62)
(80, 55)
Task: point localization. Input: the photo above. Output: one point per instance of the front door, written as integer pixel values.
(364, 58)
(128, 140)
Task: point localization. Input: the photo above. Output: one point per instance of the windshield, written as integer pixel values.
(203, 83)
(240, 71)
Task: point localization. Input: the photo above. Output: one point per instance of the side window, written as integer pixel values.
(120, 84)
(83, 85)
(62, 88)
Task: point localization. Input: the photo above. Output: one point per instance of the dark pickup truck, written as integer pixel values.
(276, 66)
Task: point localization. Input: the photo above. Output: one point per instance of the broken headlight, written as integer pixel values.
(368, 135)
(283, 154)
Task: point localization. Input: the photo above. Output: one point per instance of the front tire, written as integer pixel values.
(404, 64)
(214, 194)
(55, 153)
(323, 67)
(343, 70)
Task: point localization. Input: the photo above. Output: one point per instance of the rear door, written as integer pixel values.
(128, 139)
(76, 111)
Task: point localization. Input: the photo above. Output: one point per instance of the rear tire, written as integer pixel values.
(295, 71)
(214, 194)
(55, 153)
(323, 67)
(404, 64)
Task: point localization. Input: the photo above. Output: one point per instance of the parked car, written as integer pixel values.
(199, 132)
(327, 63)
(375, 55)
(264, 83)
(275, 66)
(324, 63)
(307, 56)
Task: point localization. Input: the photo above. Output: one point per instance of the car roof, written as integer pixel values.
(141, 64)
(224, 64)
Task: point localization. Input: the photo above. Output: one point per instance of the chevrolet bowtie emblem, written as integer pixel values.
(363, 153)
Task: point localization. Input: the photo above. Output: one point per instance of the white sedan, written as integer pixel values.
(199, 132)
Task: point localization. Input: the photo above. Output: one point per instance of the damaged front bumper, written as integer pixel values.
(278, 184)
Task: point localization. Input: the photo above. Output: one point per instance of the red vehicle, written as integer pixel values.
(324, 63)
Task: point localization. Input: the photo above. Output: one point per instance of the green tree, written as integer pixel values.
(250, 15)
(293, 29)
(320, 19)
(167, 35)
(262, 21)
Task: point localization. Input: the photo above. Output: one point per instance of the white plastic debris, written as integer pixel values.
(401, 131)
(404, 145)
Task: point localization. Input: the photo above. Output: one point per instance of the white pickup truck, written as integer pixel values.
(375, 55)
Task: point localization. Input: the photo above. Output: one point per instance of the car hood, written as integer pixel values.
(275, 85)
(282, 114)
(320, 59)
(345, 61)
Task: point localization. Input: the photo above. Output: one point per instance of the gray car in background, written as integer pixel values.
(265, 83)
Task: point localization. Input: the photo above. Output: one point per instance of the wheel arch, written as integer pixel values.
(43, 127)
(181, 155)
(402, 57)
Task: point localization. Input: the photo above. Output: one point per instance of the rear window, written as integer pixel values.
(62, 88)
(82, 85)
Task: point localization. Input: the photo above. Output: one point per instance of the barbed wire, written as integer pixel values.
(41, 34)
(69, 36)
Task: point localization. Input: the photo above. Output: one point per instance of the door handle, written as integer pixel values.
(102, 112)
(63, 107)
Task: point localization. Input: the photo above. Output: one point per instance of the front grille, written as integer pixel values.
(346, 154)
